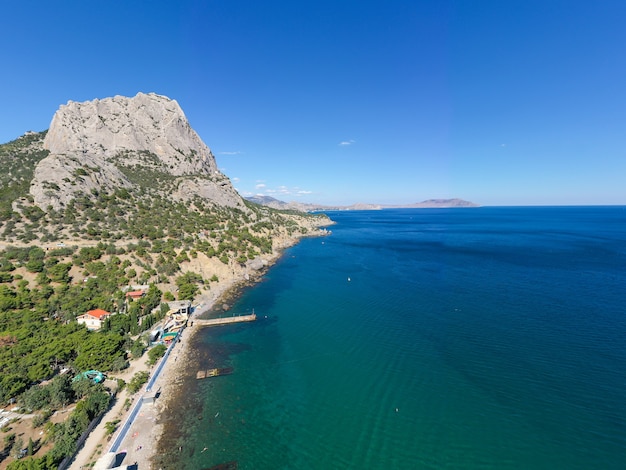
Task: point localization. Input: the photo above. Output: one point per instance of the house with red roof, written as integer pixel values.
(135, 294)
(93, 319)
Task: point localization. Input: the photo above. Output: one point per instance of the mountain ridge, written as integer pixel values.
(107, 169)
(99, 145)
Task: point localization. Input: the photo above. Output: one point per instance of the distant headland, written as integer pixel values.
(308, 207)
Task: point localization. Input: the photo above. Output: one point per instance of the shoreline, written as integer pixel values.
(172, 380)
(138, 446)
(146, 436)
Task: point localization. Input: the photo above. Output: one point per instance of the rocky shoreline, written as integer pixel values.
(177, 381)
(151, 439)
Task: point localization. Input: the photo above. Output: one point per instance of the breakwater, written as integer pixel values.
(224, 320)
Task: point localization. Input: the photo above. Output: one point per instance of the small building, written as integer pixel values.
(149, 398)
(93, 319)
(180, 307)
(143, 287)
(135, 294)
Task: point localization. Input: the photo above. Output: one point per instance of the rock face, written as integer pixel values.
(97, 145)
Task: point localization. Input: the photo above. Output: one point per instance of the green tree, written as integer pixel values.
(35, 398)
(111, 426)
(61, 392)
(17, 448)
(35, 265)
(59, 272)
(138, 348)
(7, 298)
(187, 291)
(99, 351)
(156, 353)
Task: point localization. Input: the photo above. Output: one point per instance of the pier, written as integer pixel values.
(224, 320)
(206, 373)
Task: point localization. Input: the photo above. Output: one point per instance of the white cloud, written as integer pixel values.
(282, 192)
(347, 142)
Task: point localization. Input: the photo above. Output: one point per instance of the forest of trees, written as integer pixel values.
(41, 342)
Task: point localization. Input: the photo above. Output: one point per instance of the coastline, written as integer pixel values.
(146, 438)
(173, 380)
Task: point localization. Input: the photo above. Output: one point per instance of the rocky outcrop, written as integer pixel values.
(95, 145)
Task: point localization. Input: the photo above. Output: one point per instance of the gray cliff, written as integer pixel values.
(98, 146)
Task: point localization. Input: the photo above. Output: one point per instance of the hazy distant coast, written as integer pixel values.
(309, 207)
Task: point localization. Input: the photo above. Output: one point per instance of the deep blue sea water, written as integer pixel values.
(483, 338)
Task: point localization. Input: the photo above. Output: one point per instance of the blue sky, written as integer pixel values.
(337, 102)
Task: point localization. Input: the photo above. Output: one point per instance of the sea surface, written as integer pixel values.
(482, 338)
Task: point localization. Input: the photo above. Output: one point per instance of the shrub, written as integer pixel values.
(156, 353)
(110, 427)
(137, 381)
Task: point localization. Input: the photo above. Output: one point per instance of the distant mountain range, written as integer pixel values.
(308, 207)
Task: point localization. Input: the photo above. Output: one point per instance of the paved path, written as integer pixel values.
(96, 443)
(140, 442)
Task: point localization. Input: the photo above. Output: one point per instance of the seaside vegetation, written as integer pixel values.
(58, 264)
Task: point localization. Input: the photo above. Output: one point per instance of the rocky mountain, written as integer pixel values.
(131, 169)
(104, 145)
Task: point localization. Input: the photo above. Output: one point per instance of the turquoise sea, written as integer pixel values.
(483, 338)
